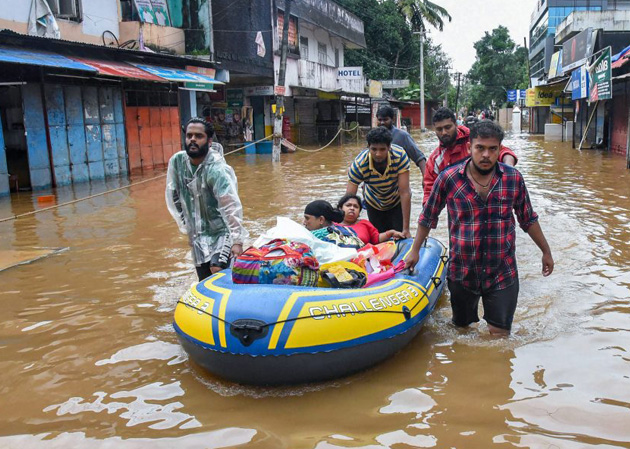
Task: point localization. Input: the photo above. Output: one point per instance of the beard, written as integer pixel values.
(195, 151)
(483, 171)
(448, 141)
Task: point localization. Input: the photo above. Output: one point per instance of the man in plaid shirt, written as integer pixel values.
(480, 194)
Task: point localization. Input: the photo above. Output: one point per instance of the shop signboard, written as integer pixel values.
(375, 89)
(118, 69)
(600, 74)
(234, 98)
(541, 96)
(350, 73)
(254, 91)
(555, 67)
(511, 95)
(579, 83)
(576, 50)
(395, 84)
(205, 72)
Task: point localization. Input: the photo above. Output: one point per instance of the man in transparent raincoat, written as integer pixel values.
(202, 196)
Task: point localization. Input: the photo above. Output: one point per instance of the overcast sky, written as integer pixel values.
(471, 18)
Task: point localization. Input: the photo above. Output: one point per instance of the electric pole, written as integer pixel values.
(422, 119)
(457, 94)
(277, 125)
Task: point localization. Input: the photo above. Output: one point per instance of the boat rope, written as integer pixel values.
(407, 313)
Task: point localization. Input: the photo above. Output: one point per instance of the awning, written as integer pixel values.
(40, 58)
(118, 69)
(177, 75)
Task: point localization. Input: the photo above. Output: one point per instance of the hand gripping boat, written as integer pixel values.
(278, 334)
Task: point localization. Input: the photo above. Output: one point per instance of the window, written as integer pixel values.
(304, 47)
(336, 57)
(322, 53)
(66, 9)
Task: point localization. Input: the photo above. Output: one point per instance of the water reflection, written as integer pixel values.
(90, 358)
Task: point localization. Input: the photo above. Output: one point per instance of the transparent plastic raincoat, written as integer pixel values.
(205, 204)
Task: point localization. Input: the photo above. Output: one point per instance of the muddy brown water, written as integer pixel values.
(89, 358)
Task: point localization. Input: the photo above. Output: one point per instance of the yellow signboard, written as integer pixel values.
(541, 96)
(375, 89)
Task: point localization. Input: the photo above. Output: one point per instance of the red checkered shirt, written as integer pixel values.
(482, 233)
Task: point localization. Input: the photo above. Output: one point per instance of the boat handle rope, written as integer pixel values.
(405, 311)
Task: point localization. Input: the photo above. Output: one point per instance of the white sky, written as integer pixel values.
(471, 18)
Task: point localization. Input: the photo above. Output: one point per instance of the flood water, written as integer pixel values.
(89, 357)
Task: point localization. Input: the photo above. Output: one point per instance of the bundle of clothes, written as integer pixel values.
(327, 255)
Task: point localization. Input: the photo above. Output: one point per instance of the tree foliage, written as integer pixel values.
(393, 51)
(500, 65)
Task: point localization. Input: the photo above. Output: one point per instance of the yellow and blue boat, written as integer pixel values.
(277, 334)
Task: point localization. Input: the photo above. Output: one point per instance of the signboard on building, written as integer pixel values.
(511, 95)
(395, 84)
(350, 73)
(600, 74)
(579, 83)
(555, 67)
(234, 98)
(254, 91)
(576, 50)
(293, 31)
(153, 11)
(198, 84)
(375, 89)
(541, 96)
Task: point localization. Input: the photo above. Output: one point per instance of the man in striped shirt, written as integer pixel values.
(482, 196)
(383, 169)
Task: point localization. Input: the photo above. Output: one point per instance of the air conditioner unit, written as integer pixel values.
(65, 9)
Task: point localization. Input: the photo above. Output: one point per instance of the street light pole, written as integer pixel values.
(422, 119)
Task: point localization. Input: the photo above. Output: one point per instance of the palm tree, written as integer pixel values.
(422, 12)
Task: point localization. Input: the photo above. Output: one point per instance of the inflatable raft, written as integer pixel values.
(277, 334)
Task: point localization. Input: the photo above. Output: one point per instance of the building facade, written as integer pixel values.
(94, 89)
(248, 44)
(542, 30)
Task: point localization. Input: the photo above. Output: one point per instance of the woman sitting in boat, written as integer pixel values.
(320, 218)
(365, 230)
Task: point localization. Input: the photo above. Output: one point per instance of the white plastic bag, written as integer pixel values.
(325, 252)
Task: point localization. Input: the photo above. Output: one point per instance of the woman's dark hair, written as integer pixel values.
(385, 111)
(321, 208)
(486, 129)
(344, 199)
(208, 126)
(444, 114)
(379, 135)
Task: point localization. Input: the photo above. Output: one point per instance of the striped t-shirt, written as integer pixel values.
(379, 191)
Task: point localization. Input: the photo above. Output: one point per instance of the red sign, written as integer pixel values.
(279, 90)
(119, 69)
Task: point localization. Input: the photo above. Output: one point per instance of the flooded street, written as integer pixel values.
(90, 359)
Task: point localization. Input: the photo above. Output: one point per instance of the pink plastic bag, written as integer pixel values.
(373, 278)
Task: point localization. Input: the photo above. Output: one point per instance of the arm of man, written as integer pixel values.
(507, 156)
(536, 234)
(405, 201)
(428, 220)
(428, 181)
(173, 198)
(528, 220)
(415, 154)
(351, 188)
